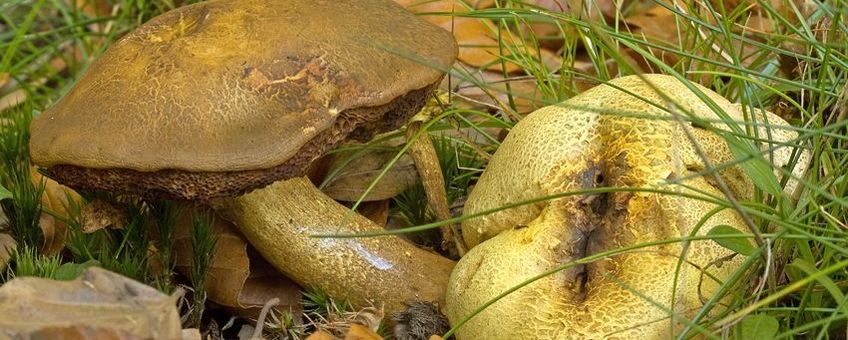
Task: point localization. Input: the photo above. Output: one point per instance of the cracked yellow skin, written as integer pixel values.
(588, 142)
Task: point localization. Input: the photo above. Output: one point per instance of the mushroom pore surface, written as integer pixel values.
(221, 97)
(588, 142)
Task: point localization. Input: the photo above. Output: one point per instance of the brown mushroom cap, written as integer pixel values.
(587, 143)
(220, 97)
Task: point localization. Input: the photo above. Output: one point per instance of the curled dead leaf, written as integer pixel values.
(99, 214)
(191, 334)
(91, 7)
(357, 171)
(360, 332)
(98, 300)
(477, 38)
(238, 279)
(82, 332)
(59, 201)
(525, 95)
(320, 335)
(12, 99)
(7, 248)
(377, 211)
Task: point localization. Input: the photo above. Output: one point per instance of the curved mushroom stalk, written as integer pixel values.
(586, 143)
(279, 220)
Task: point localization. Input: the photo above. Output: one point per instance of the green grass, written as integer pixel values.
(799, 70)
(23, 204)
(203, 242)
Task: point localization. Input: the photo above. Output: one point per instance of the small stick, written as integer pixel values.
(423, 153)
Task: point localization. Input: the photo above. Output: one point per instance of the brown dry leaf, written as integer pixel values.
(99, 214)
(191, 334)
(58, 200)
(355, 177)
(551, 36)
(265, 283)
(525, 94)
(12, 99)
(7, 248)
(320, 335)
(377, 211)
(236, 280)
(782, 7)
(436, 337)
(81, 333)
(4, 79)
(478, 43)
(92, 7)
(360, 332)
(337, 324)
(370, 317)
(660, 25)
(98, 300)
(657, 25)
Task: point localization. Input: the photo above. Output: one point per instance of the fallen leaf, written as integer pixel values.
(477, 38)
(265, 283)
(657, 25)
(357, 171)
(377, 211)
(81, 332)
(92, 7)
(551, 36)
(98, 300)
(360, 332)
(238, 279)
(320, 335)
(191, 334)
(525, 95)
(246, 332)
(12, 99)
(436, 337)
(370, 317)
(99, 214)
(7, 248)
(56, 200)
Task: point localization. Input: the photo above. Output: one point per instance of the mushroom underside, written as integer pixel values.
(358, 124)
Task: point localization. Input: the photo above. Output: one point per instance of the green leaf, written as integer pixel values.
(739, 244)
(758, 326)
(755, 166)
(69, 271)
(4, 193)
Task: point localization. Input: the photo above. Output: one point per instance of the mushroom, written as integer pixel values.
(589, 142)
(219, 98)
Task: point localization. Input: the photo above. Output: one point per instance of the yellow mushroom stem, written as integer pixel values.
(280, 221)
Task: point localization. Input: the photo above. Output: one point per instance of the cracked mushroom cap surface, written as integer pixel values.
(605, 137)
(221, 97)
